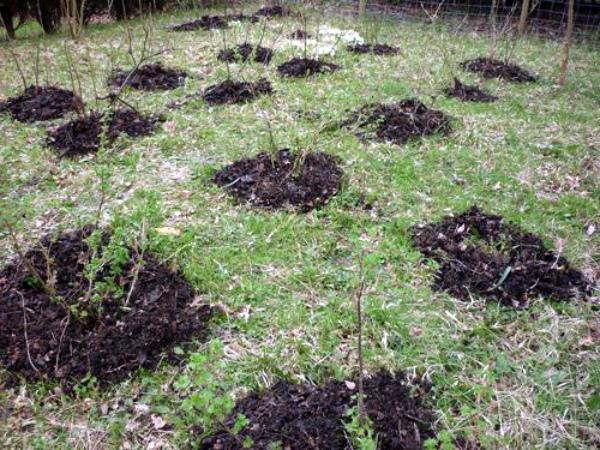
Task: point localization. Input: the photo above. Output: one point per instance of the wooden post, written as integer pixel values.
(523, 18)
(568, 39)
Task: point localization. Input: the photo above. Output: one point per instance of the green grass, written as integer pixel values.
(286, 281)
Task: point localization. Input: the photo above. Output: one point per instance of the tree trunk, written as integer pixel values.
(523, 18)
(362, 7)
(568, 40)
(7, 20)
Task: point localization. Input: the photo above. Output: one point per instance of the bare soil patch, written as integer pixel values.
(481, 254)
(377, 49)
(244, 51)
(68, 335)
(230, 91)
(303, 67)
(493, 68)
(468, 93)
(305, 180)
(40, 103)
(149, 77)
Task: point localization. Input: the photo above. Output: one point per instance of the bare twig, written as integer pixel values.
(361, 289)
(25, 333)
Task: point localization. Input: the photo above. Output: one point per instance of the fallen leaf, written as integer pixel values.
(158, 422)
(591, 228)
(168, 231)
(350, 385)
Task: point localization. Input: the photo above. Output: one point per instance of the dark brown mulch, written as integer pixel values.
(230, 91)
(70, 336)
(305, 416)
(398, 122)
(83, 135)
(205, 23)
(39, 103)
(240, 18)
(493, 68)
(273, 11)
(274, 181)
(377, 49)
(300, 34)
(468, 93)
(303, 67)
(243, 52)
(481, 254)
(149, 77)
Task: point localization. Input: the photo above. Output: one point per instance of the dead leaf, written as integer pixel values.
(591, 228)
(158, 422)
(350, 385)
(168, 231)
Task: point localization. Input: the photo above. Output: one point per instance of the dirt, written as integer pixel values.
(377, 49)
(303, 67)
(305, 416)
(244, 51)
(493, 68)
(398, 122)
(149, 77)
(205, 23)
(40, 103)
(83, 135)
(273, 11)
(300, 34)
(481, 254)
(230, 91)
(282, 179)
(468, 93)
(68, 336)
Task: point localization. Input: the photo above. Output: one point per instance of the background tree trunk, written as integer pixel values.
(523, 18)
(7, 20)
(568, 40)
(362, 7)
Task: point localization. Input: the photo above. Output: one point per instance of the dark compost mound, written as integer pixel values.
(205, 23)
(468, 93)
(39, 103)
(304, 416)
(398, 122)
(273, 11)
(230, 91)
(492, 68)
(71, 331)
(300, 34)
(244, 51)
(273, 181)
(83, 135)
(481, 254)
(150, 77)
(377, 49)
(303, 67)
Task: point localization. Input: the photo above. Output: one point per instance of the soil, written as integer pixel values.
(483, 255)
(150, 77)
(305, 416)
(398, 122)
(275, 181)
(243, 52)
(230, 91)
(303, 67)
(83, 135)
(273, 11)
(68, 337)
(493, 68)
(205, 23)
(39, 103)
(300, 34)
(468, 93)
(377, 49)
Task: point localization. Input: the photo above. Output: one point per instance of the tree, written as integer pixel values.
(523, 18)
(568, 39)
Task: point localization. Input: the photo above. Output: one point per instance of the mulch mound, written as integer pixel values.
(377, 49)
(468, 93)
(273, 11)
(69, 335)
(305, 416)
(398, 122)
(39, 103)
(240, 18)
(274, 181)
(150, 77)
(205, 23)
(493, 68)
(300, 34)
(83, 135)
(480, 254)
(230, 91)
(243, 52)
(303, 67)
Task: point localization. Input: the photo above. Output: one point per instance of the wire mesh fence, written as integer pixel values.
(547, 18)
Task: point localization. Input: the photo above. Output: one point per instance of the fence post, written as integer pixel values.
(523, 18)
(568, 38)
